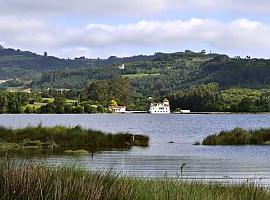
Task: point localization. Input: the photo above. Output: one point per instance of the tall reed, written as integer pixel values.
(239, 136)
(70, 138)
(26, 181)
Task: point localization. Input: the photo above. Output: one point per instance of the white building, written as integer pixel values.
(117, 109)
(185, 111)
(122, 67)
(160, 108)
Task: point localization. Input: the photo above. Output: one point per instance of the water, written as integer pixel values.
(206, 163)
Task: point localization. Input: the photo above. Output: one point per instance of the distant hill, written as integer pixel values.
(17, 63)
(154, 75)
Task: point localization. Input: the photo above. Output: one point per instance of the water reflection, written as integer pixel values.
(203, 163)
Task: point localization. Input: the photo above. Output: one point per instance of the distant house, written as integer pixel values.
(3, 81)
(160, 108)
(117, 109)
(122, 67)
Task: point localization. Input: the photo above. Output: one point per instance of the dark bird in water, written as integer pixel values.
(171, 142)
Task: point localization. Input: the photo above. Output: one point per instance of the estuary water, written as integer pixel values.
(205, 163)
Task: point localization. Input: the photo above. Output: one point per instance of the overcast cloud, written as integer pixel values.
(128, 7)
(36, 25)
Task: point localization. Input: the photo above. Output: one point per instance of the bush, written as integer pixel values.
(90, 109)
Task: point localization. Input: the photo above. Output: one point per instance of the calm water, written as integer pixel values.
(230, 163)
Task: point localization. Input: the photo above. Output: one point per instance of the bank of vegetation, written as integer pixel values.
(194, 81)
(61, 139)
(209, 98)
(97, 95)
(25, 181)
(239, 136)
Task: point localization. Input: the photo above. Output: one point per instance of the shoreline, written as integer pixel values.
(144, 112)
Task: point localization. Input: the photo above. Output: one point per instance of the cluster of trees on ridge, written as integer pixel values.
(205, 98)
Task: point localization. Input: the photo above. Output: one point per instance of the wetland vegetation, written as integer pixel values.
(26, 181)
(239, 136)
(63, 139)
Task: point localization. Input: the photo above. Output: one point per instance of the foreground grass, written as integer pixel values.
(239, 136)
(63, 138)
(63, 183)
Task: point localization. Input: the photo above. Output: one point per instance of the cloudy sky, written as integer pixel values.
(100, 28)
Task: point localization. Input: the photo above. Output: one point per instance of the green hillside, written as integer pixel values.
(156, 75)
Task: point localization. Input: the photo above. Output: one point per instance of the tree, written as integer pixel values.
(78, 110)
(247, 105)
(105, 90)
(68, 109)
(3, 103)
(99, 91)
(100, 109)
(198, 98)
(29, 109)
(49, 108)
(113, 103)
(59, 103)
(90, 109)
(263, 103)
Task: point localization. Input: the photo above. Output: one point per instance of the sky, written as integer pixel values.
(102, 28)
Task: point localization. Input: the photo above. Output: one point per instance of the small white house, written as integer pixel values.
(122, 67)
(117, 109)
(160, 108)
(3, 81)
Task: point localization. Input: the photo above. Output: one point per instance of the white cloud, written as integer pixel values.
(135, 8)
(99, 8)
(103, 40)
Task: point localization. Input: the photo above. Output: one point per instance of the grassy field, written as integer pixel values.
(33, 106)
(239, 136)
(33, 182)
(50, 100)
(61, 139)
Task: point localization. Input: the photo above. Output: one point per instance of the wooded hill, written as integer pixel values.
(155, 75)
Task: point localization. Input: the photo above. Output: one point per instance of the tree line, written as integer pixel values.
(208, 98)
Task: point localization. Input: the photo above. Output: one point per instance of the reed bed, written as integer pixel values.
(60, 137)
(239, 136)
(34, 182)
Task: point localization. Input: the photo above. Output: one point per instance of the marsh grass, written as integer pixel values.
(239, 136)
(77, 152)
(26, 181)
(60, 137)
